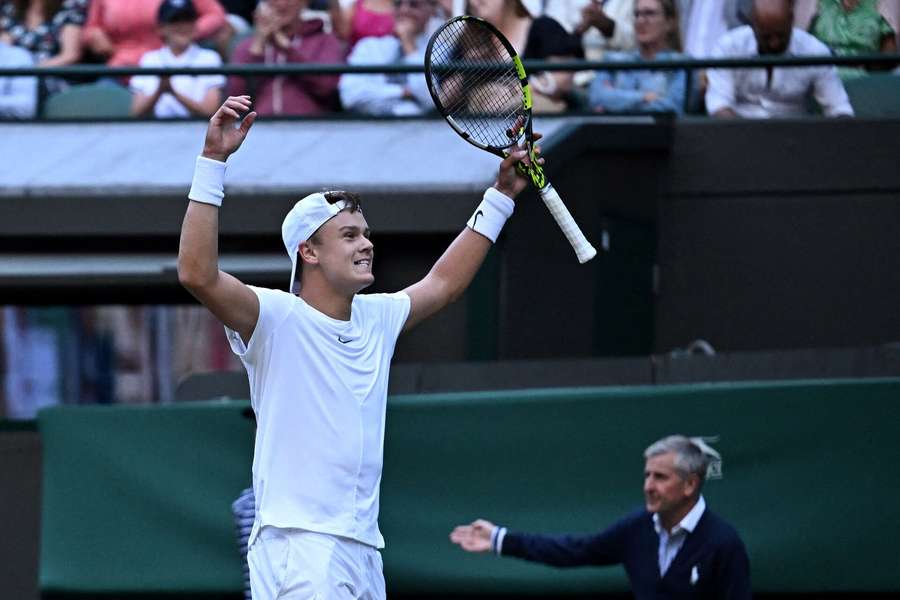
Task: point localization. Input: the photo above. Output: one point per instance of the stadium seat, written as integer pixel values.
(92, 100)
(875, 95)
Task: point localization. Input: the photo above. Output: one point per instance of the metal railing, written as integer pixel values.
(83, 72)
(531, 66)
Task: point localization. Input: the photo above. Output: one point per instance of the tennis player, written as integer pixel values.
(318, 357)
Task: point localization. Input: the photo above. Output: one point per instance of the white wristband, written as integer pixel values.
(491, 214)
(209, 181)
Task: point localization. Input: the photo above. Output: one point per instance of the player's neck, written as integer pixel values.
(327, 301)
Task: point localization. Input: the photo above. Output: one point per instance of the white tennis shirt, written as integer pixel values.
(753, 93)
(319, 389)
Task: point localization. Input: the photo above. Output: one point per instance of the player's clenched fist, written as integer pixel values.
(475, 537)
(222, 137)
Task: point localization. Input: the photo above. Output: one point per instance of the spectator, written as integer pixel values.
(703, 23)
(602, 25)
(771, 92)
(238, 25)
(364, 18)
(18, 95)
(282, 36)
(392, 94)
(674, 547)
(657, 34)
(805, 10)
(852, 27)
(179, 95)
(49, 29)
(535, 37)
(120, 32)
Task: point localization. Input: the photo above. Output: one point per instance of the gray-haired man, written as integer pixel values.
(673, 548)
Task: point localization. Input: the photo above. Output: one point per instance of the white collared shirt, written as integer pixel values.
(756, 93)
(670, 542)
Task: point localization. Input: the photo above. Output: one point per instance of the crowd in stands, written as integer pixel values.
(103, 354)
(209, 33)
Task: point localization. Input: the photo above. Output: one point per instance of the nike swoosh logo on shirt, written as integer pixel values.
(343, 341)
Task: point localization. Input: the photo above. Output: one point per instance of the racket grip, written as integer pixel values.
(583, 249)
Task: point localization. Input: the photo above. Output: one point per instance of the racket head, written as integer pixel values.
(478, 84)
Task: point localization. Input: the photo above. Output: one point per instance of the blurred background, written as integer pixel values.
(745, 286)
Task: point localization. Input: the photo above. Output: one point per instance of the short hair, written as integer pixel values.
(692, 456)
(353, 205)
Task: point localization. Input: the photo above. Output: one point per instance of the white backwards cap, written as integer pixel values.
(303, 221)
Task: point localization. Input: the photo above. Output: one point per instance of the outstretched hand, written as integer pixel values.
(222, 137)
(510, 180)
(475, 537)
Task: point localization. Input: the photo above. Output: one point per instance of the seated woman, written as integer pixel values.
(535, 37)
(178, 95)
(49, 29)
(852, 27)
(657, 35)
(121, 31)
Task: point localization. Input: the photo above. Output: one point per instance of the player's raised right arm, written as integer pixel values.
(225, 296)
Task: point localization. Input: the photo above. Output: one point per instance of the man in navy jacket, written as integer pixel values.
(674, 548)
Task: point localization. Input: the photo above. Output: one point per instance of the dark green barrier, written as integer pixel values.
(137, 499)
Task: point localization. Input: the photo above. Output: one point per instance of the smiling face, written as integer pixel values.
(342, 251)
(666, 490)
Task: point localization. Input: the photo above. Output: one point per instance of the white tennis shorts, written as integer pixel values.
(297, 564)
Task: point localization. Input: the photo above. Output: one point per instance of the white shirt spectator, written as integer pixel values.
(18, 95)
(192, 86)
(783, 92)
(670, 542)
(385, 93)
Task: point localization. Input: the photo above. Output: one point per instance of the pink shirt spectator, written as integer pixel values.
(368, 23)
(292, 95)
(131, 26)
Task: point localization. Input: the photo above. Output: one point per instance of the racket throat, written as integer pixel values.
(535, 173)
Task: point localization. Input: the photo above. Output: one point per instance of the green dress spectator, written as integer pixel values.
(853, 27)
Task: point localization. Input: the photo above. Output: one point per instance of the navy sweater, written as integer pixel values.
(714, 548)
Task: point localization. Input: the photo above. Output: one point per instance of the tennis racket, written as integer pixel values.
(479, 85)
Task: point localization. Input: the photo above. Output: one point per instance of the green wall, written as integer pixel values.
(137, 498)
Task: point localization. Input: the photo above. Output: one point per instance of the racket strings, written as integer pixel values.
(477, 83)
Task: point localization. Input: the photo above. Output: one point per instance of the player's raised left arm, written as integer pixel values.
(455, 269)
